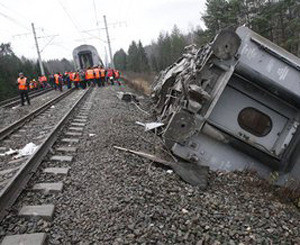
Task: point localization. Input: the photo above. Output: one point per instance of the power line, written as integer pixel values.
(95, 12)
(69, 16)
(14, 21)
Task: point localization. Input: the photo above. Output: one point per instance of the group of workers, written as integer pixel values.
(92, 76)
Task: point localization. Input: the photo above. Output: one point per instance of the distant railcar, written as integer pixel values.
(86, 56)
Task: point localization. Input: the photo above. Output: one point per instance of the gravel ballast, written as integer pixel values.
(112, 197)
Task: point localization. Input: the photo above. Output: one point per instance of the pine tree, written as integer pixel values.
(142, 58)
(132, 59)
(120, 60)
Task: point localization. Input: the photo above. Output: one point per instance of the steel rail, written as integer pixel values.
(14, 126)
(10, 193)
(16, 100)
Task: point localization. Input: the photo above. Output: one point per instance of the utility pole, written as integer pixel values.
(108, 41)
(38, 51)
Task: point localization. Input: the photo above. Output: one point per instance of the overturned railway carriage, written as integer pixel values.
(85, 56)
(234, 104)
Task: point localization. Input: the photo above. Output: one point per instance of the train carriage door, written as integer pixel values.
(85, 59)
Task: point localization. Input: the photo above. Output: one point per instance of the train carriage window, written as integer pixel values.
(255, 122)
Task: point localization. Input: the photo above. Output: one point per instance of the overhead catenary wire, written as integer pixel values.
(14, 20)
(69, 16)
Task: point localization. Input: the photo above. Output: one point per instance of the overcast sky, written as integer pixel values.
(127, 20)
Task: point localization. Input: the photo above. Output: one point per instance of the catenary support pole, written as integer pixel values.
(38, 51)
(108, 41)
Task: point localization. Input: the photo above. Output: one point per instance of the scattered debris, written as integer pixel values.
(27, 150)
(192, 173)
(150, 126)
(127, 96)
(9, 152)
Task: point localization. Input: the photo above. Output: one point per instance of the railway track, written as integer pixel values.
(16, 100)
(41, 127)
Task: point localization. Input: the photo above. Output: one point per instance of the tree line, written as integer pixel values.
(277, 20)
(11, 66)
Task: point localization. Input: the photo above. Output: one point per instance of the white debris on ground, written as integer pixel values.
(9, 152)
(150, 126)
(27, 150)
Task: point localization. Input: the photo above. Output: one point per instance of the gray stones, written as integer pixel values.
(49, 187)
(73, 133)
(67, 149)
(25, 239)
(17, 161)
(43, 211)
(2, 148)
(62, 158)
(76, 128)
(70, 140)
(56, 170)
(78, 124)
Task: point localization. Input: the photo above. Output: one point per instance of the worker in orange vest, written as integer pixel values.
(58, 81)
(42, 80)
(23, 85)
(97, 75)
(76, 79)
(90, 76)
(117, 76)
(31, 85)
(102, 75)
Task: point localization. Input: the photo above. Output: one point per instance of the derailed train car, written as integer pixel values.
(233, 105)
(85, 56)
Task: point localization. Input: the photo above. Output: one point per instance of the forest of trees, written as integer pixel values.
(11, 65)
(277, 20)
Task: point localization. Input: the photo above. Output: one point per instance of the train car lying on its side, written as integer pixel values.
(234, 104)
(86, 56)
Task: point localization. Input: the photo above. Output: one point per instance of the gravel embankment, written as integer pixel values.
(111, 197)
(10, 115)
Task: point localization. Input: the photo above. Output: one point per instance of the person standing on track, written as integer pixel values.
(110, 75)
(102, 76)
(58, 81)
(117, 77)
(83, 82)
(23, 85)
(97, 75)
(76, 79)
(90, 76)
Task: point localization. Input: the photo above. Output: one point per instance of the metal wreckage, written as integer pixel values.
(233, 104)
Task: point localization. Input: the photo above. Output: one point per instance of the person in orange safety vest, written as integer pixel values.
(23, 85)
(43, 81)
(76, 79)
(90, 76)
(117, 76)
(58, 81)
(97, 75)
(102, 75)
